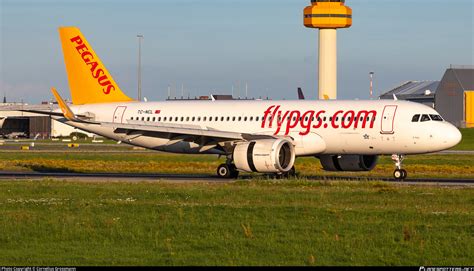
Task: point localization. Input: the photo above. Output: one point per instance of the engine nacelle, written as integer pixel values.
(349, 162)
(264, 155)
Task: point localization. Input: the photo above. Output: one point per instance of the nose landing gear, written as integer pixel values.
(399, 173)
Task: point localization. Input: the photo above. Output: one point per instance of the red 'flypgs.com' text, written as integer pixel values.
(275, 117)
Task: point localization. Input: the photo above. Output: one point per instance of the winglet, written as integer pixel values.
(68, 114)
(395, 97)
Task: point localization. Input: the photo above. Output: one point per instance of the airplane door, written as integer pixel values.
(388, 118)
(118, 114)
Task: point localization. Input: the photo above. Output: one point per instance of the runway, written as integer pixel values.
(137, 177)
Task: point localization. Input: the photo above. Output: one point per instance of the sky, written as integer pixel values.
(212, 46)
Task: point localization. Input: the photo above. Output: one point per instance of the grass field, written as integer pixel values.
(243, 223)
(467, 142)
(252, 222)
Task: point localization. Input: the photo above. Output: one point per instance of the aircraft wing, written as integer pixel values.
(203, 136)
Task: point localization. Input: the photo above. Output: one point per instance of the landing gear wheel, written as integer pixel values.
(285, 175)
(398, 174)
(227, 171)
(290, 173)
(404, 174)
(234, 173)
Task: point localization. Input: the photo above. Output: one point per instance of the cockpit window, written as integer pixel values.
(415, 118)
(425, 117)
(436, 117)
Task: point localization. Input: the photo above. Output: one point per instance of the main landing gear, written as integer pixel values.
(228, 171)
(286, 175)
(399, 173)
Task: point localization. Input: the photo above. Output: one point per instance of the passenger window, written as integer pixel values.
(425, 117)
(182, 119)
(245, 118)
(415, 118)
(228, 118)
(436, 117)
(159, 118)
(187, 118)
(251, 118)
(233, 118)
(256, 118)
(194, 118)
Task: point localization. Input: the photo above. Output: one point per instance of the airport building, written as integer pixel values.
(452, 96)
(415, 91)
(18, 124)
(454, 99)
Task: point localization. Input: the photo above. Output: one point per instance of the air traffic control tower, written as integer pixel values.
(327, 15)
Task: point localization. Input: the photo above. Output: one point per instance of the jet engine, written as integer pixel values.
(265, 155)
(348, 162)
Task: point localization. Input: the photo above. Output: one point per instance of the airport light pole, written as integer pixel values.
(371, 75)
(140, 38)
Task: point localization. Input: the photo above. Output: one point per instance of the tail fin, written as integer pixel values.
(89, 80)
(300, 94)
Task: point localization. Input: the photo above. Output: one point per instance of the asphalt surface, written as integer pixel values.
(136, 177)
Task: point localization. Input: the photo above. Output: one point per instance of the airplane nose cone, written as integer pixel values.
(453, 136)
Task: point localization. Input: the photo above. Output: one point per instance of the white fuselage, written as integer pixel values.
(316, 127)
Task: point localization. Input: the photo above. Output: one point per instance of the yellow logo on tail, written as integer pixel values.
(89, 80)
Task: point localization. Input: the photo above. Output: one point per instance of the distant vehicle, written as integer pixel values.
(15, 135)
(255, 135)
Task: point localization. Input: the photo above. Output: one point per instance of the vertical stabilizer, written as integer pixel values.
(89, 80)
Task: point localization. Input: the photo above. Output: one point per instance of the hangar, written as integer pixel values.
(452, 96)
(14, 123)
(415, 91)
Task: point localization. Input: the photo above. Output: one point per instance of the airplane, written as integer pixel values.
(263, 136)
